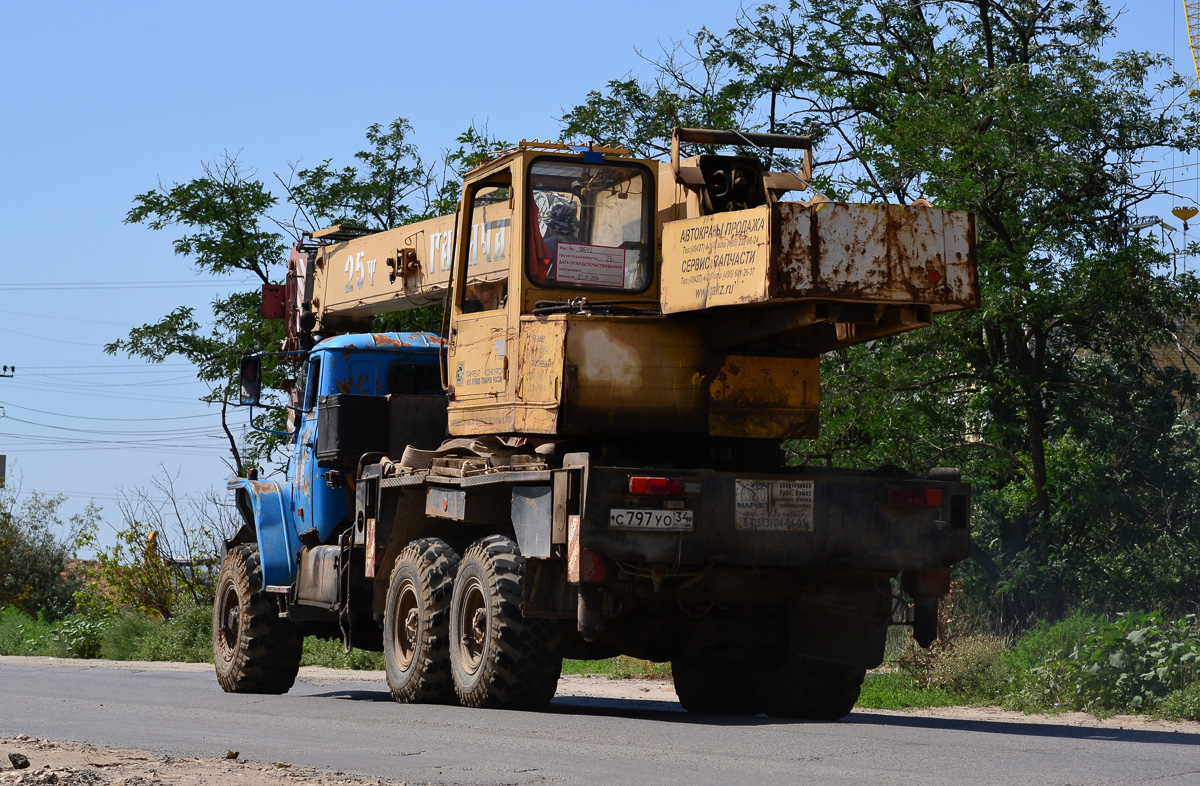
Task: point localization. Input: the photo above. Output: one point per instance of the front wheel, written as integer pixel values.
(254, 650)
(416, 624)
(499, 658)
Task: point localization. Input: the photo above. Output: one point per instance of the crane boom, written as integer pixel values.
(1192, 12)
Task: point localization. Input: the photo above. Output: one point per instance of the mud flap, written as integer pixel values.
(854, 642)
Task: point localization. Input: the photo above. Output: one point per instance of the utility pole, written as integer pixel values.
(7, 373)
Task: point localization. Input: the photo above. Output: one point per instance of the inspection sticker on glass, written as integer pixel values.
(784, 505)
(600, 266)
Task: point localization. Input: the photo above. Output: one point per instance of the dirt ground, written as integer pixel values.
(74, 764)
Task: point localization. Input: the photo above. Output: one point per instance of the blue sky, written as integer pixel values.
(102, 100)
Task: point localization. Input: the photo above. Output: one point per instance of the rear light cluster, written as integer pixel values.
(916, 497)
(668, 487)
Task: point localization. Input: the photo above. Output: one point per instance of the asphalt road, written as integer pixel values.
(357, 728)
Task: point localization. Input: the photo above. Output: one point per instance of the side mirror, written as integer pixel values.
(250, 380)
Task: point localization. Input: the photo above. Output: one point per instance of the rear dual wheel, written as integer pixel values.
(812, 690)
(416, 625)
(717, 682)
(498, 657)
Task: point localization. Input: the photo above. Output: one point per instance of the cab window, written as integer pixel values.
(590, 226)
(490, 240)
(414, 380)
(312, 384)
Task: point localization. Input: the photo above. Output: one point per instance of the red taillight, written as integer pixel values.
(665, 486)
(916, 497)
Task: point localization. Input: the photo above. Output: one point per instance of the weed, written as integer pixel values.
(21, 634)
(80, 636)
(1132, 663)
(619, 668)
(1181, 704)
(1037, 664)
(899, 691)
(187, 636)
(332, 654)
(971, 667)
(122, 634)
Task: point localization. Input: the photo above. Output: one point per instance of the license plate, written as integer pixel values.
(647, 518)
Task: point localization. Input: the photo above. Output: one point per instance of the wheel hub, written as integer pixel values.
(411, 623)
(479, 626)
(407, 630)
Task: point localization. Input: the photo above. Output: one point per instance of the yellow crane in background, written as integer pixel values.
(1192, 13)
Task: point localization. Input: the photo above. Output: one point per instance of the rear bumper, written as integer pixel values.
(807, 518)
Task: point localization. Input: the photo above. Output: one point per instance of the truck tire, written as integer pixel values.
(416, 623)
(499, 658)
(706, 684)
(813, 690)
(254, 650)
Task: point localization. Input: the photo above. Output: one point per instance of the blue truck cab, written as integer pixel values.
(357, 395)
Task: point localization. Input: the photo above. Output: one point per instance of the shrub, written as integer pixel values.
(971, 667)
(1037, 664)
(33, 557)
(1184, 704)
(164, 554)
(331, 654)
(21, 634)
(80, 637)
(120, 636)
(186, 636)
(1132, 663)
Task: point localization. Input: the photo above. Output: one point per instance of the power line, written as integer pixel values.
(92, 417)
(110, 365)
(58, 317)
(181, 432)
(87, 391)
(60, 285)
(55, 340)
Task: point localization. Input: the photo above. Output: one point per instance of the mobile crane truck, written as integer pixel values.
(587, 461)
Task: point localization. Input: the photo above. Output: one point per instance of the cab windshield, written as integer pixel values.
(590, 226)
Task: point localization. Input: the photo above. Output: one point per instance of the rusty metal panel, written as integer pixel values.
(766, 398)
(480, 398)
(630, 374)
(856, 253)
(879, 252)
(962, 272)
(446, 503)
(539, 380)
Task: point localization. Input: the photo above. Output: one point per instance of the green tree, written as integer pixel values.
(1054, 396)
(35, 545)
(227, 229)
(233, 224)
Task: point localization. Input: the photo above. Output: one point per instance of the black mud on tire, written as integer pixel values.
(254, 650)
(498, 657)
(416, 623)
